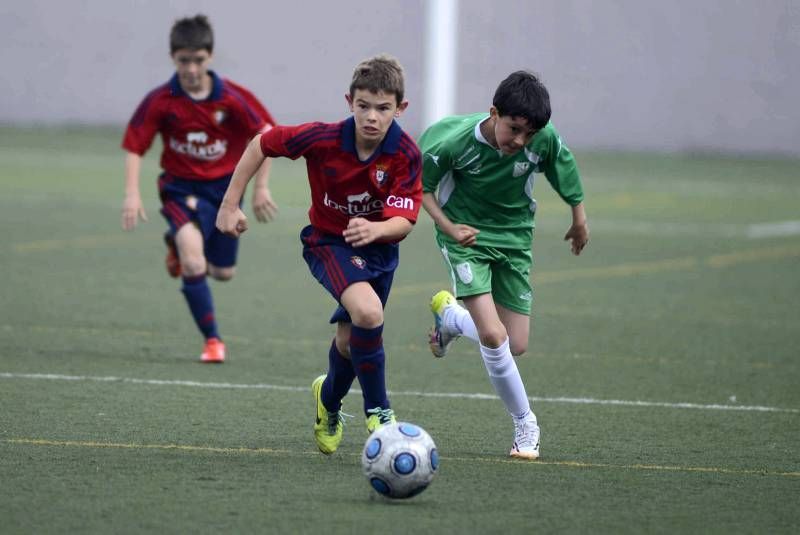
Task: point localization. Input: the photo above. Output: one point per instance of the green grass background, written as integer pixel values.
(671, 303)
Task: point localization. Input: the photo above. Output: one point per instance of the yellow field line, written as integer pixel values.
(176, 447)
(640, 268)
(619, 270)
(273, 451)
(101, 240)
(752, 255)
(671, 264)
(600, 272)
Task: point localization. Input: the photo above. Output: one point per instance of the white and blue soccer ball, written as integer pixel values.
(400, 460)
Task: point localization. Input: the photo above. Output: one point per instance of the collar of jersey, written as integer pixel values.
(216, 87)
(479, 134)
(389, 145)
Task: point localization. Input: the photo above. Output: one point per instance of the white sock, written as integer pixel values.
(457, 319)
(505, 378)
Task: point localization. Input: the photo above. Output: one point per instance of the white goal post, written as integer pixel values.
(441, 34)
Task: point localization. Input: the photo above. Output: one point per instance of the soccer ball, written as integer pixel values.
(400, 460)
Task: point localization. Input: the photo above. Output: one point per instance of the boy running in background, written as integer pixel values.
(366, 189)
(205, 122)
(484, 167)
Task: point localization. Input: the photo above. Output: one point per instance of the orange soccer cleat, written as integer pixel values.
(213, 352)
(172, 261)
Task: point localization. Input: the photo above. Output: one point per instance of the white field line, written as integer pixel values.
(773, 230)
(457, 395)
(754, 231)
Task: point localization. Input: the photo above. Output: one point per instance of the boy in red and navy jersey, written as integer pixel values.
(205, 123)
(366, 191)
(342, 185)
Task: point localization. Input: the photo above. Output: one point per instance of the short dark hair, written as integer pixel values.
(194, 33)
(379, 73)
(522, 94)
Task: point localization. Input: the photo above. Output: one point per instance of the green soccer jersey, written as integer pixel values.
(481, 187)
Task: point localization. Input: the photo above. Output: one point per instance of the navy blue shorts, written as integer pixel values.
(337, 265)
(184, 201)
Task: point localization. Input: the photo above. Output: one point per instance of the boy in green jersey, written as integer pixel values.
(478, 175)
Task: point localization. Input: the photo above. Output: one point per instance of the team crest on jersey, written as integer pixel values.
(464, 272)
(381, 174)
(219, 116)
(358, 262)
(520, 168)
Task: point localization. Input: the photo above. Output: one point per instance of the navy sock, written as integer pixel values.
(369, 361)
(340, 378)
(198, 297)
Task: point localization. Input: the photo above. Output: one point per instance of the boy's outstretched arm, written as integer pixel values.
(132, 207)
(465, 235)
(578, 233)
(264, 207)
(230, 218)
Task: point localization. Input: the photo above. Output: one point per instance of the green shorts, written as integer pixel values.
(505, 273)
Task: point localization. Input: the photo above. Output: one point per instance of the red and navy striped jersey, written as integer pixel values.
(203, 139)
(342, 186)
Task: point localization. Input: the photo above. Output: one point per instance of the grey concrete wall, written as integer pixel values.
(718, 75)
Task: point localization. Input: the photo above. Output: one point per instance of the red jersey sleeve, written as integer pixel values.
(291, 141)
(144, 124)
(405, 195)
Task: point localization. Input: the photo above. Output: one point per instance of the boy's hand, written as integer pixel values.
(132, 211)
(578, 236)
(465, 235)
(360, 232)
(264, 207)
(231, 221)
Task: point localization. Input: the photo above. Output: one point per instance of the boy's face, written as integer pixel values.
(511, 133)
(192, 67)
(374, 113)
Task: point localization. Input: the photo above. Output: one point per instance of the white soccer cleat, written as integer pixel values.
(526, 438)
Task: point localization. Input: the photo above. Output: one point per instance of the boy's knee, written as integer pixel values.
(193, 266)
(342, 339)
(518, 348)
(343, 347)
(494, 336)
(367, 316)
(221, 274)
